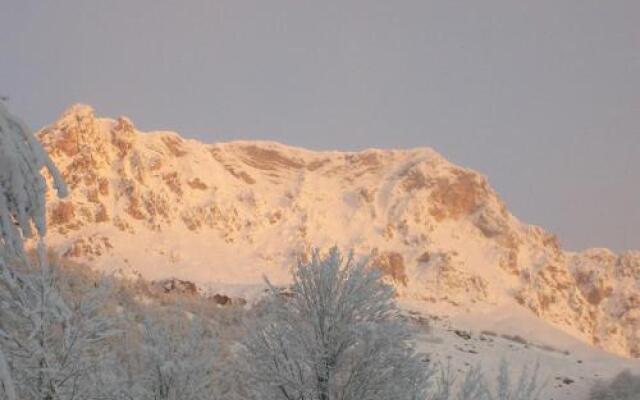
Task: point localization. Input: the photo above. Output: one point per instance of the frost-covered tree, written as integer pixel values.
(22, 186)
(55, 343)
(166, 351)
(178, 359)
(335, 335)
(7, 388)
(22, 200)
(526, 387)
(163, 354)
(444, 379)
(474, 385)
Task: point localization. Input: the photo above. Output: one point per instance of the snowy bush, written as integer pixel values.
(526, 387)
(624, 386)
(475, 386)
(335, 335)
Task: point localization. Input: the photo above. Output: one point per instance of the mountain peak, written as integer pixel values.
(164, 207)
(78, 110)
(79, 132)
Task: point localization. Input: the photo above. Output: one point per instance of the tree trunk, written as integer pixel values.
(6, 384)
(323, 379)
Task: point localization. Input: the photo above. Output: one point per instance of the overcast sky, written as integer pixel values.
(543, 96)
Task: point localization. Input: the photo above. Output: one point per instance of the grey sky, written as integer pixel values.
(541, 96)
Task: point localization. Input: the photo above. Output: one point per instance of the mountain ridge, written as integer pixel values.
(223, 214)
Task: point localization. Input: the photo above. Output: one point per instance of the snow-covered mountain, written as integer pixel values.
(223, 215)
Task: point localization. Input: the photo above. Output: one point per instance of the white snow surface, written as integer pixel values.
(568, 367)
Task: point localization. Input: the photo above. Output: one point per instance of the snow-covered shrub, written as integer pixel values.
(475, 386)
(624, 386)
(335, 335)
(443, 381)
(526, 387)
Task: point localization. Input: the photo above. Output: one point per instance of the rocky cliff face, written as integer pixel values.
(163, 207)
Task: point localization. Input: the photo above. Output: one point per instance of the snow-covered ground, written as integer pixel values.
(463, 339)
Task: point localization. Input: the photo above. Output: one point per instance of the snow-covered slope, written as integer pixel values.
(568, 367)
(224, 215)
